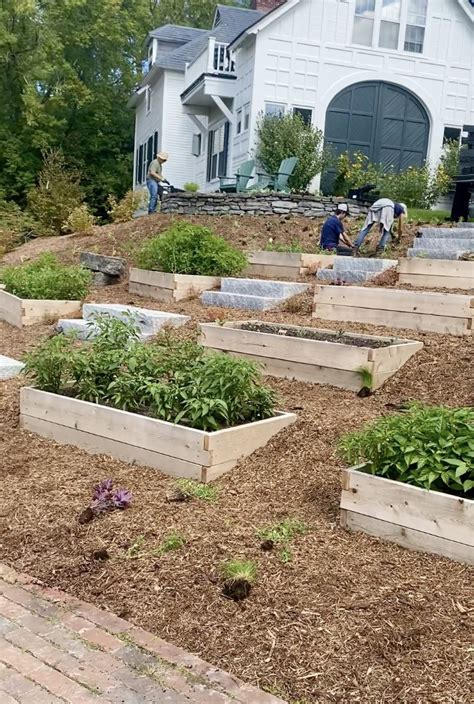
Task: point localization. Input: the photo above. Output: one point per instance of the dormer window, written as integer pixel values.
(390, 24)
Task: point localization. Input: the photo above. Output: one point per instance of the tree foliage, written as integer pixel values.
(283, 136)
(67, 70)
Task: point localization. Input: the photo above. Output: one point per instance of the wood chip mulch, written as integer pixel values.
(347, 619)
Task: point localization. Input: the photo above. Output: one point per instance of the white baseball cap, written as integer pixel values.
(343, 206)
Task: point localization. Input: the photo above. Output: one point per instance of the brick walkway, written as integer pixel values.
(55, 649)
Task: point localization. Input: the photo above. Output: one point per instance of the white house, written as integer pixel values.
(390, 78)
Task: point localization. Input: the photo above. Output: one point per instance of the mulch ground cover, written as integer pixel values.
(347, 618)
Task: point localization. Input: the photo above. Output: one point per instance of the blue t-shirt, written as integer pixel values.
(332, 229)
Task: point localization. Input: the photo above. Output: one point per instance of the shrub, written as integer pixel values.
(417, 186)
(47, 279)
(189, 249)
(80, 220)
(16, 225)
(429, 447)
(172, 379)
(57, 194)
(191, 187)
(283, 136)
(123, 210)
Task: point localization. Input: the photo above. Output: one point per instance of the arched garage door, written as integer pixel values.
(384, 121)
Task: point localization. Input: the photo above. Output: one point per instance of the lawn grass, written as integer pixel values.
(419, 215)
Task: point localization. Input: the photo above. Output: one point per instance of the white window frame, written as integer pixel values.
(403, 24)
(304, 107)
(271, 102)
(246, 118)
(149, 99)
(239, 121)
(196, 147)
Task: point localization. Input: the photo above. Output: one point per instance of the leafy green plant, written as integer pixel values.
(196, 490)
(172, 379)
(46, 278)
(191, 187)
(284, 531)
(185, 248)
(366, 377)
(173, 541)
(80, 220)
(16, 226)
(124, 209)
(136, 548)
(283, 136)
(57, 194)
(429, 447)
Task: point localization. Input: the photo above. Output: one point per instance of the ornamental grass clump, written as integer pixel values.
(239, 576)
(47, 279)
(431, 447)
(170, 379)
(185, 248)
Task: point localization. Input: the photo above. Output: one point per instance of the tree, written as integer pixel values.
(283, 136)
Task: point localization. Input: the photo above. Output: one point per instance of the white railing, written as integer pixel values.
(214, 59)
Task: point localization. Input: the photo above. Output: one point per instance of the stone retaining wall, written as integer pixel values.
(255, 204)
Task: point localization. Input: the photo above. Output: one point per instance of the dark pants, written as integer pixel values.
(344, 251)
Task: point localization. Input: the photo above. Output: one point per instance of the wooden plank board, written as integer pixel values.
(273, 272)
(437, 267)
(386, 299)
(394, 319)
(162, 286)
(235, 443)
(279, 259)
(98, 445)
(152, 278)
(294, 349)
(39, 311)
(310, 373)
(407, 537)
(113, 424)
(157, 294)
(10, 309)
(426, 281)
(441, 515)
(390, 359)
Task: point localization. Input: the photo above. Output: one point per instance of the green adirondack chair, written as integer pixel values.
(242, 177)
(278, 181)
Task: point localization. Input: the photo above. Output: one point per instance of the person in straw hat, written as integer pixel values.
(155, 179)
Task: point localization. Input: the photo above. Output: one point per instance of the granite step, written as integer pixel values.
(224, 299)
(9, 367)
(446, 232)
(349, 276)
(264, 288)
(451, 244)
(147, 320)
(434, 253)
(465, 225)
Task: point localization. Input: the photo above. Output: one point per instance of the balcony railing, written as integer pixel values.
(215, 60)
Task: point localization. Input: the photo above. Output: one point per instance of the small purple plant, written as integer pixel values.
(106, 498)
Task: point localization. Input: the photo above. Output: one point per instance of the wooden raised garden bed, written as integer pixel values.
(28, 311)
(174, 449)
(287, 265)
(437, 273)
(169, 287)
(311, 354)
(415, 518)
(415, 310)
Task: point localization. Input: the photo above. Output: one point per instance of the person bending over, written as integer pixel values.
(384, 212)
(333, 236)
(155, 180)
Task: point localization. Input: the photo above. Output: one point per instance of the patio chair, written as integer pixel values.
(242, 177)
(278, 181)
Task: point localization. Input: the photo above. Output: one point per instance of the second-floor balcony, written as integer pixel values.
(211, 73)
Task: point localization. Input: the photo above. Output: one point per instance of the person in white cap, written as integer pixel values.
(333, 236)
(155, 179)
(384, 212)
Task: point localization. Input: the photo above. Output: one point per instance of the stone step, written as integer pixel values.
(259, 287)
(85, 329)
(223, 299)
(434, 253)
(9, 367)
(447, 232)
(364, 264)
(455, 243)
(347, 275)
(147, 320)
(465, 225)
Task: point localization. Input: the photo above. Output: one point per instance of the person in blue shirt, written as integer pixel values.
(333, 236)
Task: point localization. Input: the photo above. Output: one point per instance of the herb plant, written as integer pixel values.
(185, 248)
(196, 490)
(47, 279)
(239, 570)
(171, 379)
(429, 447)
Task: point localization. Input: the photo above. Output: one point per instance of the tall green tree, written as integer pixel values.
(67, 69)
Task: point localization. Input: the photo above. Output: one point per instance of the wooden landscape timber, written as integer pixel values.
(316, 361)
(415, 518)
(161, 286)
(286, 265)
(173, 449)
(436, 273)
(29, 311)
(447, 313)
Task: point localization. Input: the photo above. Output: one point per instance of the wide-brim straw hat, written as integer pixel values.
(163, 156)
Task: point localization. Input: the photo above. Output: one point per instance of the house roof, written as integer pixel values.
(176, 33)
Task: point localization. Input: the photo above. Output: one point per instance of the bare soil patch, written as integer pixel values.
(306, 334)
